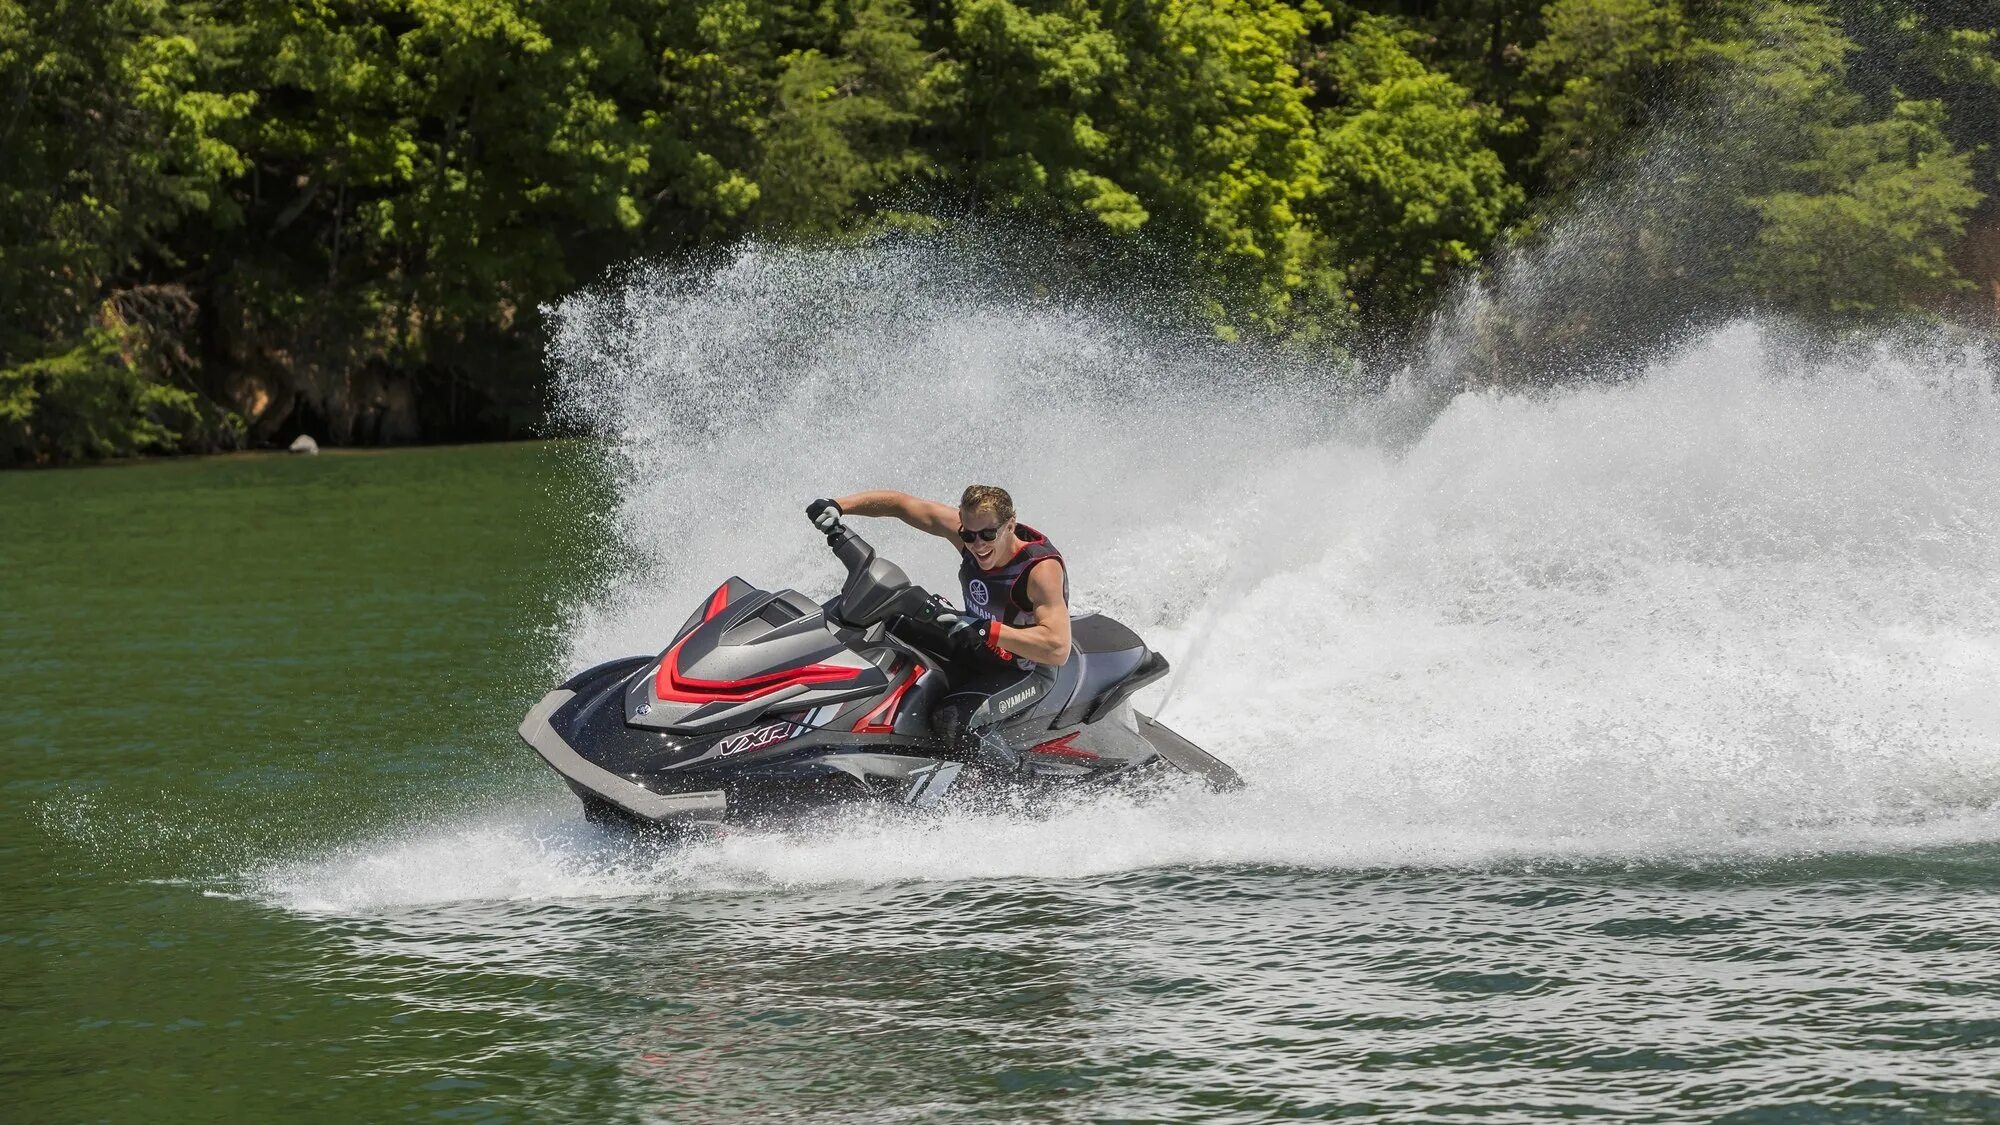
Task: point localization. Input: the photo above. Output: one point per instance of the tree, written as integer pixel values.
(1864, 222)
(1019, 91)
(1412, 188)
(427, 173)
(114, 133)
(1602, 67)
(1209, 126)
(841, 122)
(1942, 50)
(1792, 191)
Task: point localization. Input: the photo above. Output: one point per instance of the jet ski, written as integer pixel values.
(767, 706)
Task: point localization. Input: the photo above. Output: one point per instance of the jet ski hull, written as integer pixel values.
(766, 707)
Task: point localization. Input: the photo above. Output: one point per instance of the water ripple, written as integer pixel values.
(1770, 993)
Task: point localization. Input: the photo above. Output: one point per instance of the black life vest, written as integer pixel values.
(1002, 593)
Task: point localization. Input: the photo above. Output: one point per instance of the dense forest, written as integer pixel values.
(226, 223)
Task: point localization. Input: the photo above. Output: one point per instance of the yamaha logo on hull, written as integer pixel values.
(1014, 700)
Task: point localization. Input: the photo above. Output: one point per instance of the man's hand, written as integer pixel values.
(966, 637)
(824, 514)
(971, 634)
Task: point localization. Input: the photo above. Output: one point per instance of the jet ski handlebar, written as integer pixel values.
(853, 551)
(876, 589)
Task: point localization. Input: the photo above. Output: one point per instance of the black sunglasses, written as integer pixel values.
(989, 534)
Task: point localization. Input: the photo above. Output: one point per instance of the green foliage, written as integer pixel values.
(346, 194)
(1856, 211)
(1867, 228)
(1945, 51)
(1210, 130)
(428, 152)
(89, 402)
(1811, 200)
(116, 131)
(1018, 94)
(1477, 43)
(1413, 189)
(113, 135)
(840, 124)
(1601, 62)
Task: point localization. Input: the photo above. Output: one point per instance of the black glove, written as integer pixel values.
(965, 636)
(824, 514)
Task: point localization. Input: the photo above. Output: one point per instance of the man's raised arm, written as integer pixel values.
(940, 520)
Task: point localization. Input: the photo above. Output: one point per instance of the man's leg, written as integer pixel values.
(954, 722)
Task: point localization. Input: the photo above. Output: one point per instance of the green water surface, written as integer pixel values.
(270, 849)
(212, 661)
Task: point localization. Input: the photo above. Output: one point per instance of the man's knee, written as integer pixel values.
(953, 718)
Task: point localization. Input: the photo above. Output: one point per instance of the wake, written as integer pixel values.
(1735, 606)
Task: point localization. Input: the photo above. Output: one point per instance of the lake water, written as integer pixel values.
(1632, 752)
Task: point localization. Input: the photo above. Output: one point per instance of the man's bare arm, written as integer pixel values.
(925, 515)
(1047, 640)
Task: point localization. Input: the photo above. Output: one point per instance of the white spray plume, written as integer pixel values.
(1728, 607)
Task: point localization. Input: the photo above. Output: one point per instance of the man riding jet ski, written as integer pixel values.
(765, 705)
(1016, 626)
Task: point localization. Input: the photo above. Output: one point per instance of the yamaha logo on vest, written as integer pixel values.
(979, 593)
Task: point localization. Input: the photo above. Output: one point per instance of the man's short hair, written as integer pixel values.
(986, 498)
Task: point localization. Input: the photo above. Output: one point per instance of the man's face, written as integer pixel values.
(986, 552)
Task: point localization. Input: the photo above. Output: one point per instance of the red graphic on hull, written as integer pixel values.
(882, 718)
(672, 687)
(1061, 748)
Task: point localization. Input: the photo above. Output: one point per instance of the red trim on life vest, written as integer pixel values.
(1017, 592)
(882, 719)
(1061, 748)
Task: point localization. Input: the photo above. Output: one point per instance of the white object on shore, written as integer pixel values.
(304, 444)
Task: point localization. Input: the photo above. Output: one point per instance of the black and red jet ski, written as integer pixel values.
(767, 705)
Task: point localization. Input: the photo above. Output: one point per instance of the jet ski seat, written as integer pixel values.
(1094, 632)
(1108, 663)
